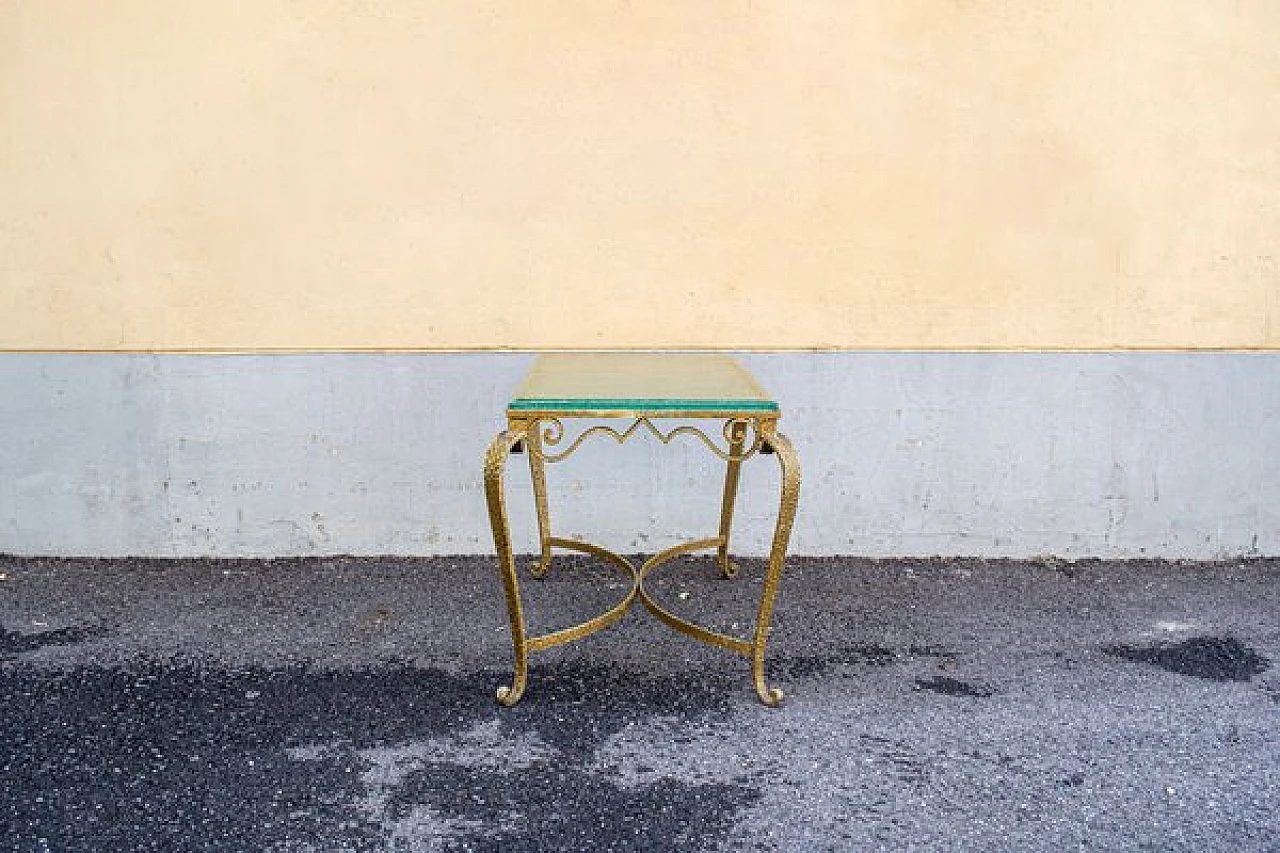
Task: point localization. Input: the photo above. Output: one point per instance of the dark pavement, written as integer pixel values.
(347, 704)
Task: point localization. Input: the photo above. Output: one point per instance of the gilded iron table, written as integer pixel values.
(641, 388)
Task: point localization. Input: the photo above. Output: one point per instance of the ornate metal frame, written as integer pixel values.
(534, 433)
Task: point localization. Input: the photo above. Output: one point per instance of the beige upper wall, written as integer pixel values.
(585, 173)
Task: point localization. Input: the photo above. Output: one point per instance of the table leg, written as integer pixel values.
(494, 463)
(737, 439)
(538, 474)
(790, 476)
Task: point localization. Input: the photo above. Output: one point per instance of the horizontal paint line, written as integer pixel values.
(654, 404)
(728, 348)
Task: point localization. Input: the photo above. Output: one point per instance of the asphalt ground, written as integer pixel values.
(347, 705)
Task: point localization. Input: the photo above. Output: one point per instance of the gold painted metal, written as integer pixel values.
(553, 432)
(537, 473)
(598, 623)
(790, 496)
(713, 638)
(495, 462)
(746, 434)
(735, 434)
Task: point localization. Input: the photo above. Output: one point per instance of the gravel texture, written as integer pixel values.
(347, 705)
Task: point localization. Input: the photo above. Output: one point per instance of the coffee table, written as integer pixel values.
(642, 388)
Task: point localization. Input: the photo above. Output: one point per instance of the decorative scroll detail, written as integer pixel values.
(552, 432)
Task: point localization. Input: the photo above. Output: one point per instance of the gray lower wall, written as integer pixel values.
(1112, 455)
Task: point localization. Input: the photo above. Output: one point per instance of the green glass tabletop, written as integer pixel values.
(678, 383)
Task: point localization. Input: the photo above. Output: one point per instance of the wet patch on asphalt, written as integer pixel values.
(953, 687)
(14, 643)
(161, 753)
(1214, 658)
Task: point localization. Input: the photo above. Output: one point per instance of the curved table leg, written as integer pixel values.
(790, 471)
(494, 463)
(537, 473)
(737, 438)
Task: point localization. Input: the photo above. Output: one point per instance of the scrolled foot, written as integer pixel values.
(539, 568)
(770, 696)
(508, 696)
(728, 568)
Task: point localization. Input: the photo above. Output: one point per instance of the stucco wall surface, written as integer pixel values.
(1103, 454)
(436, 174)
